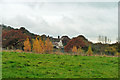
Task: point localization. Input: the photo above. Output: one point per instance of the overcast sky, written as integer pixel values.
(63, 18)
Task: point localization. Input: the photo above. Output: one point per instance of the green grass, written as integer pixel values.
(30, 65)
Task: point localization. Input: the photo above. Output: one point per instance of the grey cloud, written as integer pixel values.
(90, 19)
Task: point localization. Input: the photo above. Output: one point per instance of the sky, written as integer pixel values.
(59, 18)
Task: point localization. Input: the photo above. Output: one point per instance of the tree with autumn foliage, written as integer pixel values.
(74, 49)
(80, 50)
(89, 52)
(27, 45)
(41, 46)
(36, 45)
(78, 42)
(48, 46)
(13, 39)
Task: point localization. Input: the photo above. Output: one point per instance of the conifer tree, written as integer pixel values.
(80, 51)
(89, 52)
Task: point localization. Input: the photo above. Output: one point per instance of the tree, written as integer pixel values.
(77, 41)
(13, 39)
(36, 45)
(74, 49)
(27, 45)
(99, 38)
(41, 46)
(65, 40)
(80, 51)
(48, 46)
(89, 52)
(105, 39)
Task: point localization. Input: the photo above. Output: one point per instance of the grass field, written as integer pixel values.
(30, 65)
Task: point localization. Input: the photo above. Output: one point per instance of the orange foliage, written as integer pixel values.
(35, 45)
(48, 46)
(74, 49)
(38, 45)
(27, 45)
(41, 46)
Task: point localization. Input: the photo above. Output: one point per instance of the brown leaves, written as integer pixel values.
(78, 42)
(13, 38)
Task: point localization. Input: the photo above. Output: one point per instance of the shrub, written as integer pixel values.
(117, 54)
(110, 50)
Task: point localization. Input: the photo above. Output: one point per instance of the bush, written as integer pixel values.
(110, 50)
(117, 54)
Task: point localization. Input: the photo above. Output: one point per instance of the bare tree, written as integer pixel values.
(105, 39)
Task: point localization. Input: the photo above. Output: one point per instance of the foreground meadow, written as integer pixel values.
(31, 65)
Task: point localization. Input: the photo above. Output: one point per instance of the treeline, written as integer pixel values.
(80, 51)
(38, 46)
(76, 46)
(15, 39)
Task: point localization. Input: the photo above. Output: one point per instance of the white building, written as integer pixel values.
(58, 44)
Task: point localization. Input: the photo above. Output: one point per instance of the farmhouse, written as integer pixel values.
(58, 44)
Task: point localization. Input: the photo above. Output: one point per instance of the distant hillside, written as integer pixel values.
(14, 38)
(22, 29)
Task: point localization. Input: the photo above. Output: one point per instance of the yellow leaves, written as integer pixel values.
(89, 52)
(27, 45)
(77, 51)
(40, 47)
(48, 45)
(74, 49)
(35, 45)
(111, 49)
(80, 51)
(117, 54)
